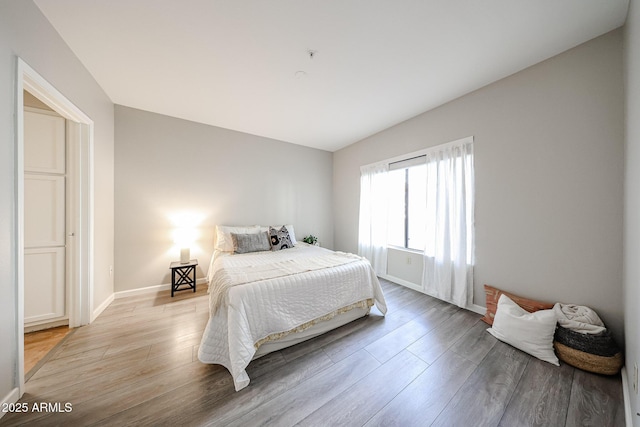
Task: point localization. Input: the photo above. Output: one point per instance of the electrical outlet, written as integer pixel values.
(409, 260)
(635, 377)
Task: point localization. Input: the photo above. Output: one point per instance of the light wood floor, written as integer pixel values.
(425, 363)
(38, 344)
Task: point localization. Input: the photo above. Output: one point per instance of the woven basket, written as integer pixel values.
(594, 353)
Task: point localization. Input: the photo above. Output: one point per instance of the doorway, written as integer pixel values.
(46, 173)
(78, 262)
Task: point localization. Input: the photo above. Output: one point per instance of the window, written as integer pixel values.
(408, 205)
(414, 201)
(424, 202)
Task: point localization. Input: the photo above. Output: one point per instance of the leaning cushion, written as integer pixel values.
(493, 295)
(529, 332)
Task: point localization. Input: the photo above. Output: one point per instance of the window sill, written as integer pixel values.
(402, 249)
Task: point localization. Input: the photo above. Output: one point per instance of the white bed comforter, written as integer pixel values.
(248, 313)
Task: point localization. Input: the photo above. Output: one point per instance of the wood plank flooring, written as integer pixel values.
(38, 344)
(425, 363)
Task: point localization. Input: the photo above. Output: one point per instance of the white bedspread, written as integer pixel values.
(253, 311)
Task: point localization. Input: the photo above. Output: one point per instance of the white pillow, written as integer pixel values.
(529, 332)
(224, 242)
(292, 234)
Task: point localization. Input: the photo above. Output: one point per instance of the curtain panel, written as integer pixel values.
(448, 269)
(372, 233)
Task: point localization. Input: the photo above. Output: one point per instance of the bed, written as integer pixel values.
(266, 300)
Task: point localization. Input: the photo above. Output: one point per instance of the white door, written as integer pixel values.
(44, 217)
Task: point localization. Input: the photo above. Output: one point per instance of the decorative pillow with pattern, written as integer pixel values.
(280, 239)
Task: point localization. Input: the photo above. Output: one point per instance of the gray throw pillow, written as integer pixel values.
(245, 243)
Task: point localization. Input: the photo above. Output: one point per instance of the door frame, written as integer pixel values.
(80, 141)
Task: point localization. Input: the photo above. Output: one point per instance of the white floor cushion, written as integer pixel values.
(529, 332)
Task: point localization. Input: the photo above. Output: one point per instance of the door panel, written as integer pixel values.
(44, 141)
(44, 266)
(44, 211)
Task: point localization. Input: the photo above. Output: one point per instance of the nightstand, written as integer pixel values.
(183, 274)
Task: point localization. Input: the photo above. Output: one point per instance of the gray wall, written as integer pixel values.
(26, 33)
(632, 201)
(549, 174)
(166, 166)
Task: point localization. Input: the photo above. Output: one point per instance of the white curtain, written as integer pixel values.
(448, 263)
(372, 236)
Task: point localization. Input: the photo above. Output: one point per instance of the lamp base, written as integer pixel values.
(185, 256)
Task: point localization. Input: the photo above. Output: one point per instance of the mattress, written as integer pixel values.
(246, 315)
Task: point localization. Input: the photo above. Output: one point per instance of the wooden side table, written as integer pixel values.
(183, 274)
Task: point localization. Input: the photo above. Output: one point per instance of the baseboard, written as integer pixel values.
(12, 397)
(628, 416)
(45, 325)
(477, 309)
(150, 289)
(404, 283)
(473, 307)
(98, 310)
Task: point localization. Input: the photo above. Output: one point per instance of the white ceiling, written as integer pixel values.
(232, 63)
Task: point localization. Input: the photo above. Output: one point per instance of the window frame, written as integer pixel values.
(407, 158)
